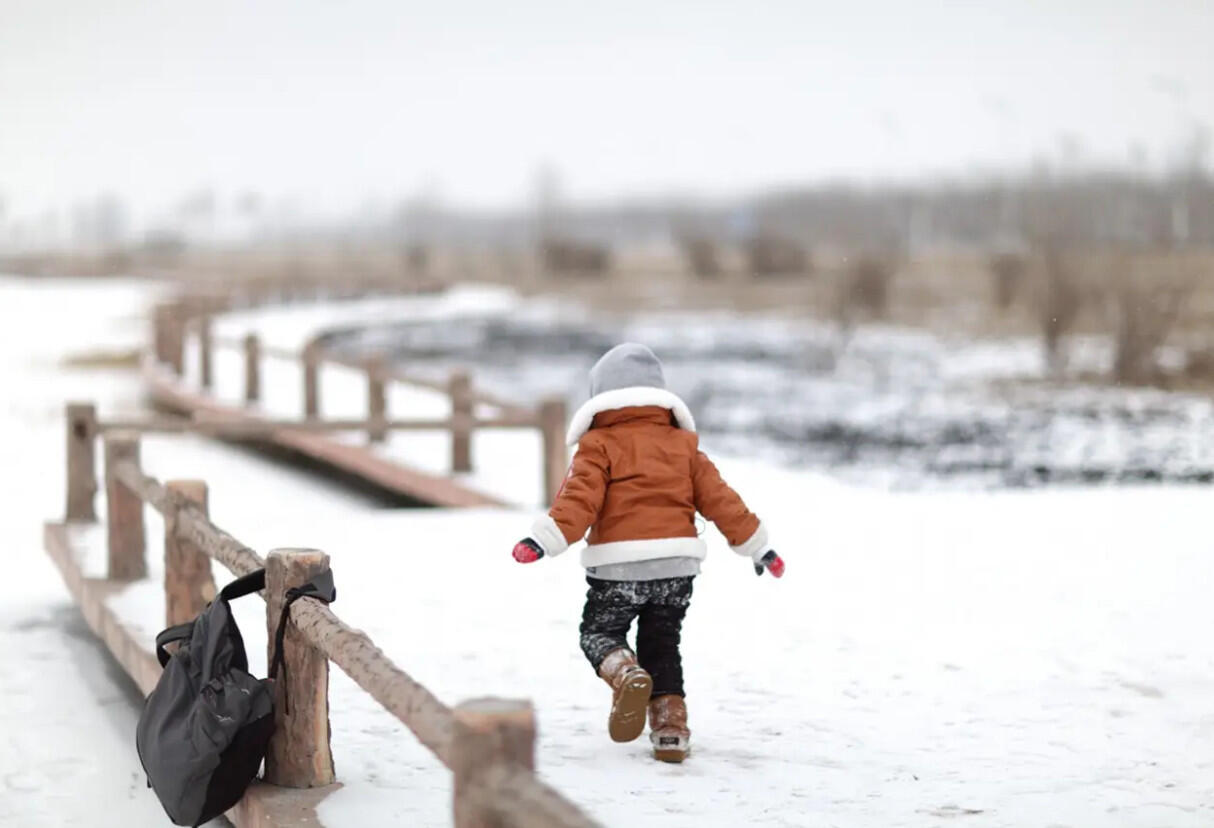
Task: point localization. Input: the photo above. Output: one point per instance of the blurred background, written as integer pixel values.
(914, 245)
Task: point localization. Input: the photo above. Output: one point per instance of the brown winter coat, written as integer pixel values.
(636, 482)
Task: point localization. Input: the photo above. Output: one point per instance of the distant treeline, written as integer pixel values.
(1096, 208)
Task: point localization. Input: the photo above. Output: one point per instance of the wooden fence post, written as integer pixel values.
(488, 733)
(252, 369)
(299, 754)
(174, 337)
(124, 519)
(159, 350)
(556, 457)
(206, 352)
(188, 584)
(459, 386)
(81, 462)
(311, 380)
(377, 399)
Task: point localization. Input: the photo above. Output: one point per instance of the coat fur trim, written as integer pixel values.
(618, 552)
(548, 535)
(638, 395)
(755, 546)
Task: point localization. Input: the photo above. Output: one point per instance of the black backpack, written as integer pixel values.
(205, 727)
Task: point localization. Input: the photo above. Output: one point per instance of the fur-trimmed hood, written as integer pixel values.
(639, 395)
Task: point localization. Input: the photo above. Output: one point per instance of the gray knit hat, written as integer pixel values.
(629, 365)
(628, 375)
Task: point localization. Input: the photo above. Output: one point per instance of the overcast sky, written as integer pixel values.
(336, 102)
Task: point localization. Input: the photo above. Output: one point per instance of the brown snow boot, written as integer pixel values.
(668, 728)
(630, 686)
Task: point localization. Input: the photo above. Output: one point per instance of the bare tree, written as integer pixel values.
(701, 255)
(1145, 314)
(776, 256)
(568, 256)
(1009, 269)
(1061, 302)
(866, 285)
(416, 258)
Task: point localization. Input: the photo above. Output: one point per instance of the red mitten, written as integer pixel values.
(773, 562)
(527, 551)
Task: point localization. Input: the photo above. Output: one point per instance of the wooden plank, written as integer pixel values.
(90, 594)
(433, 489)
(428, 488)
(263, 806)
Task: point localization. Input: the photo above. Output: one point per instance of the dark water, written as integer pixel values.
(882, 407)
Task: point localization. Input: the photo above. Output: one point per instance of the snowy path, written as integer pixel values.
(930, 659)
(66, 721)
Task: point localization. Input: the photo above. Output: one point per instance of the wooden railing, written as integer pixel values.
(489, 744)
(174, 322)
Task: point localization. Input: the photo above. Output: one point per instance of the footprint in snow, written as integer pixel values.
(22, 782)
(952, 811)
(1142, 689)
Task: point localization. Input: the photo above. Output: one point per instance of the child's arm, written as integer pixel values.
(743, 530)
(577, 504)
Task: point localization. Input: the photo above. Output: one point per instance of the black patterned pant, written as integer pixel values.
(658, 606)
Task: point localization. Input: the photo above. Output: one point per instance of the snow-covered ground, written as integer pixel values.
(67, 721)
(976, 658)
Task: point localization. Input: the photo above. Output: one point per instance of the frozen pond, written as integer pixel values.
(878, 406)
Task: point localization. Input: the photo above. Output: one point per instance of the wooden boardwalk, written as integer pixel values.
(169, 393)
(315, 437)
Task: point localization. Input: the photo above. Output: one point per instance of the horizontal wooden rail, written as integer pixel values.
(147, 489)
(271, 351)
(516, 797)
(480, 397)
(261, 428)
(358, 657)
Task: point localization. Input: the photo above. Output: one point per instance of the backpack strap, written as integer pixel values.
(178, 632)
(245, 585)
(255, 581)
(322, 589)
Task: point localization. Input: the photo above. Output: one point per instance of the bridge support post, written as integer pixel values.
(252, 369)
(206, 352)
(377, 399)
(311, 380)
(556, 457)
(459, 386)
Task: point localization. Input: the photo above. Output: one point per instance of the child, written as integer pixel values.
(636, 482)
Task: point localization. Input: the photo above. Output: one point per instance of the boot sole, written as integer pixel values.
(672, 756)
(627, 720)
